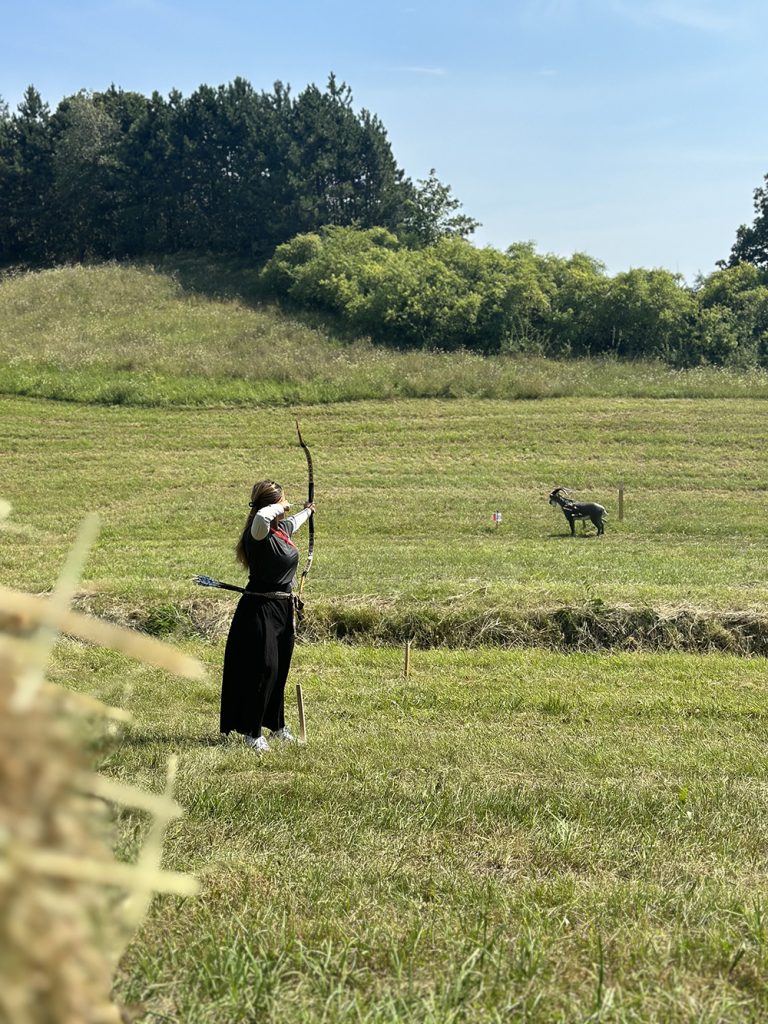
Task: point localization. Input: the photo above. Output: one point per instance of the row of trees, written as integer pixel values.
(227, 170)
(451, 294)
(311, 186)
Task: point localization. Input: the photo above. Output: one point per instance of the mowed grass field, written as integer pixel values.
(405, 493)
(505, 836)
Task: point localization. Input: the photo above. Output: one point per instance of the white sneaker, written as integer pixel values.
(283, 734)
(258, 743)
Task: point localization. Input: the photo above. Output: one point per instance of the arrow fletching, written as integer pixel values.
(205, 581)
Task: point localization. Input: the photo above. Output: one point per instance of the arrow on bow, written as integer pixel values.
(310, 497)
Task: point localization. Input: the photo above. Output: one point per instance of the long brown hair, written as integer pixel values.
(263, 493)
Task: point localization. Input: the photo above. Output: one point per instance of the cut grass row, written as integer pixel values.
(405, 494)
(502, 837)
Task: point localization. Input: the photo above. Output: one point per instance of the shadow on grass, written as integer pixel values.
(575, 536)
(204, 740)
(230, 277)
(238, 278)
(218, 277)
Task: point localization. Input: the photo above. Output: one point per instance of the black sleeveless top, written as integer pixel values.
(272, 561)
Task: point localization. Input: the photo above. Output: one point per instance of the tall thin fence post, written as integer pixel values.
(621, 500)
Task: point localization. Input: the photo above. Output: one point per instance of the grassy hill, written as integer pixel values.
(194, 333)
(510, 835)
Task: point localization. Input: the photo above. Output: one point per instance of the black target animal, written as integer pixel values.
(574, 510)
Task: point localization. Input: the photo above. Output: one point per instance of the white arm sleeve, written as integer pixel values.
(263, 519)
(292, 523)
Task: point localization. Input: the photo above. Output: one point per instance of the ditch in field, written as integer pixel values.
(593, 626)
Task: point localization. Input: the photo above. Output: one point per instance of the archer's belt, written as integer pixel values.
(283, 595)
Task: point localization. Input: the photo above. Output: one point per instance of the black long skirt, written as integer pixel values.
(256, 663)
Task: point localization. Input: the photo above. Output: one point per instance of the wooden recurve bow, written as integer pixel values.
(310, 497)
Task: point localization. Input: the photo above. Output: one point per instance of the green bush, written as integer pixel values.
(451, 295)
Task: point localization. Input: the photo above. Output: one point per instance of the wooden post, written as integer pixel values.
(407, 665)
(302, 722)
(621, 500)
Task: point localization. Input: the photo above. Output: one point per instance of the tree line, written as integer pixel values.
(308, 188)
(115, 174)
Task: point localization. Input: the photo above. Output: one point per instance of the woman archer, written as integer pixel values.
(261, 637)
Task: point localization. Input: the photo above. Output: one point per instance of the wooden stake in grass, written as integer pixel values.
(407, 663)
(302, 721)
(621, 500)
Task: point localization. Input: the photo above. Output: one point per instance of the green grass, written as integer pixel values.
(516, 836)
(405, 493)
(184, 335)
(507, 836)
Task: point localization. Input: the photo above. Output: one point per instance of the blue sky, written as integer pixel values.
(634, 130)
